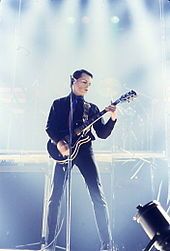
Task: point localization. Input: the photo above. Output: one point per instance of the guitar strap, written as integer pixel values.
(86, 111)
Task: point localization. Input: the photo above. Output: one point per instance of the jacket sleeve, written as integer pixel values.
(102, 129)
(52, 127)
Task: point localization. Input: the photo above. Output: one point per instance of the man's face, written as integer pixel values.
(81, 85)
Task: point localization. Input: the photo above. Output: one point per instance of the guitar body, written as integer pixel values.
(56, 155)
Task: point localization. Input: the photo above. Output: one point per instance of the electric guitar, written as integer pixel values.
(80, 134)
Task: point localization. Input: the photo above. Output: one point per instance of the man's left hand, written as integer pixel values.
(112, 110)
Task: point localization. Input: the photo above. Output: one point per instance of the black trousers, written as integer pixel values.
(85, 162)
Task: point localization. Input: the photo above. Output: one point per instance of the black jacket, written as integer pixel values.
(58, 119)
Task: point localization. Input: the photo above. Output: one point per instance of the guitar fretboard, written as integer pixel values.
(93, 120)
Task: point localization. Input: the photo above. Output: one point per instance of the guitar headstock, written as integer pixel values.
(127, 97)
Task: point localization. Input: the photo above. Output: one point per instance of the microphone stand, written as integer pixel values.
(68, 179)
(69, 174)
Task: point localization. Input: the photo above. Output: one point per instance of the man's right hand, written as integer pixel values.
(63, 147)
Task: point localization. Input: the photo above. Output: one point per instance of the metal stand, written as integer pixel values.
(68, 183)
(31, 244)
(68, 205)
(151, 244)
(69, 174)
(68, 208)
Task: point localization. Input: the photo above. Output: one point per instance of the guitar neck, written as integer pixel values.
(93, 120)
(87, 124)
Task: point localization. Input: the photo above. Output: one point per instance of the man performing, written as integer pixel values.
(59, 121)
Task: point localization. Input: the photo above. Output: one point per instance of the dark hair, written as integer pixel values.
(77, 74)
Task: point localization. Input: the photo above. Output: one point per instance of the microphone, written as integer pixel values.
(72, 80)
